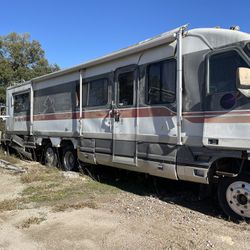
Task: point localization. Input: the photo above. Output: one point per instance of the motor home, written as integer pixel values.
(175, 106)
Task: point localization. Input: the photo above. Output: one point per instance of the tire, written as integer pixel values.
(69, 158)
(234, 197)
(50, 156)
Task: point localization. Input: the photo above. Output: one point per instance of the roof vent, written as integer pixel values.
(236, 27)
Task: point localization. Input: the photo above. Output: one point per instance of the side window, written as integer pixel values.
(161, 82)
(60, 98)
(126, 88)
(95, 93)
(21, 104)
(222, 71)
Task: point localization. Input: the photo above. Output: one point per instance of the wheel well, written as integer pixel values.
(66, 143)
(46, 142)
(230, 166)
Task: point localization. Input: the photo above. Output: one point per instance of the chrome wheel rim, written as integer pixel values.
(69, 160)
(238, 198)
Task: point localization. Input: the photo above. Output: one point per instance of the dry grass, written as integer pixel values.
(31, 221)
(8, 205)
(79, 205)
(40, 175)
(48, 187)
(10, 158)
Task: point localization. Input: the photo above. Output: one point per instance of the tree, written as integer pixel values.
(21, 59)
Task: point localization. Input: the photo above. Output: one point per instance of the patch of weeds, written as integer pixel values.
(7, 205)
(31, 221)
(53, 192)
(100, 187)
(79, 205)
(9, 158)
(40, 175)
(48, 187)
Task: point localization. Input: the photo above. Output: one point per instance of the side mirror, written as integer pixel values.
(243, 81)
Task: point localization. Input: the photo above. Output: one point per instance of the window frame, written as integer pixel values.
(51, 91)
(87, 80)
(23, 113)
(237, 49)
(123, 70)
(146, 96)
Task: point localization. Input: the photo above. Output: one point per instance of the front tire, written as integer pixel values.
(234, 197)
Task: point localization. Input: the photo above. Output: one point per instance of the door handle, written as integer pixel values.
(114, 112)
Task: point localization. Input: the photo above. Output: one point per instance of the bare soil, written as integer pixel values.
(105, 208)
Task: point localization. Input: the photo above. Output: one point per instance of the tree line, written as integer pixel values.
(21, 59)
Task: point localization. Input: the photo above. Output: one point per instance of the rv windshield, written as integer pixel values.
(247, 49)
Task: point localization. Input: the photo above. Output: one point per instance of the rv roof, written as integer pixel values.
(214, 37)
(217, 37)
(166, 37)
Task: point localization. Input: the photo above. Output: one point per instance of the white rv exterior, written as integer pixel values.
(171, 106)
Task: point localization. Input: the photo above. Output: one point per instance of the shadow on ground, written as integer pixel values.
(191, 195)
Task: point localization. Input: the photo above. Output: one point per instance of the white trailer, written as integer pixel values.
(176, 106)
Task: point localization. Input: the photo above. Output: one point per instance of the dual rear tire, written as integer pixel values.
(67, 158)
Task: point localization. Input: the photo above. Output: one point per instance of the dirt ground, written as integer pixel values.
(104, 208)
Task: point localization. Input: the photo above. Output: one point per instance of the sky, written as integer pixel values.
(72, 32)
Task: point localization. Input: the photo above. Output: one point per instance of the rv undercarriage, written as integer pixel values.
(63, 156)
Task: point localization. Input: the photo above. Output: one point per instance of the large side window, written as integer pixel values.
(21, 104)
(222, 71)
(161, 82)
(56, 99)
(95, 93)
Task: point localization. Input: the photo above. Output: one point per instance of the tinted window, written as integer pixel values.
(222, 75)
(22, 104)
(247, 49)
(126, 88)
(95, 93)
(56, 99)
(161, 82)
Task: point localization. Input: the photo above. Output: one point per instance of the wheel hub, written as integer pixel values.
(242, 199)
(238, 198)
(49, 155)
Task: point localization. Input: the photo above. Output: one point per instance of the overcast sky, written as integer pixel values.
(74, 31)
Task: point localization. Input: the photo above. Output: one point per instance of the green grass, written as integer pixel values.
(48, 187)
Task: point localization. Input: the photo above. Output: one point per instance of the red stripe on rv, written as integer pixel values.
(124, 113)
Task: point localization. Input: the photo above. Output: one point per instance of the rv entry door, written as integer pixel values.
(124, 114)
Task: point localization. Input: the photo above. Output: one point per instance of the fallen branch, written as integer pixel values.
(7, 165)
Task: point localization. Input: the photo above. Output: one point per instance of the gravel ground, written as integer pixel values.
(133, 212)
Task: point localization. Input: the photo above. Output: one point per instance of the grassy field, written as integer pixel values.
(52, 187)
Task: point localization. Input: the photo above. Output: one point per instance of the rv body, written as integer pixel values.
(168, 106)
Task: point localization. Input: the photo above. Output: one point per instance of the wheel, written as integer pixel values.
(50, 157)
(69, 158)
(234, 197)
